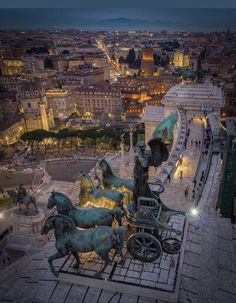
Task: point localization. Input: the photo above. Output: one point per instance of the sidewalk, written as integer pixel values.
(173, 195)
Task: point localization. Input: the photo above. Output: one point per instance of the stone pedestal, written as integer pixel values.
(26, 229)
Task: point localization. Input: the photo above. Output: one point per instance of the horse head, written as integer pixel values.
(59, 223)
(51, 201)
(61, 201)
(13, 195)
(106, 169)
(86, 183)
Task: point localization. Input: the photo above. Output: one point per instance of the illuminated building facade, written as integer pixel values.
(95, 100)
(181, 59)
(34, 107)
(147, 63)
(62, 102)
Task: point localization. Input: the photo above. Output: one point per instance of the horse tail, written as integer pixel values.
(125, 198)
(118, 214)
(119, 233)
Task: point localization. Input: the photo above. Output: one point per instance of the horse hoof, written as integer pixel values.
(97, 275)
(56, 273)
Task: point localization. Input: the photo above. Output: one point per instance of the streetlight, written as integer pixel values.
(194, 212)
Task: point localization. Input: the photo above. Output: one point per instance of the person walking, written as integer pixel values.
(193, 193)
(186, 191)
(194, 182)
(168, 177)
(191, 142)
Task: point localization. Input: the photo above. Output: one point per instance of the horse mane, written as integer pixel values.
(70, 221)
(84, 174)
(108, 172)
(65, 197)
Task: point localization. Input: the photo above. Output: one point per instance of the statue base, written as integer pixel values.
(23, 217)
(158, 279)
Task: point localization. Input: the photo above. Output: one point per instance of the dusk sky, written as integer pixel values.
(120, 3)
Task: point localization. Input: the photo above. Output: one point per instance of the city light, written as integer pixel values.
(194, 212)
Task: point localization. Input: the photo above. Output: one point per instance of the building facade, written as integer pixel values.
(33, 102)
(96, 100)
(62, 102)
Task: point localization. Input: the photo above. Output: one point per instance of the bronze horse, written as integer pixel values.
(83, 217)
(70, 239)
(90, 195)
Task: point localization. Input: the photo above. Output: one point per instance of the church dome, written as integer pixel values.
(30, 90)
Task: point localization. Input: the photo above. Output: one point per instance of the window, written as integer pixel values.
(29, 105)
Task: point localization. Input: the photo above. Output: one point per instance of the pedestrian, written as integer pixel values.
(181, 174)
(194, 182)
(206, 152)
(185, 144)
(193, 193)
(199, 186)
(168, 177)
(196, 143)
(186, 191)
(191, 142)
(199, 143)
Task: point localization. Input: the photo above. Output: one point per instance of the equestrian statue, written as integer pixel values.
(20, 197)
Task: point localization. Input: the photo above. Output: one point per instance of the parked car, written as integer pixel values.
(28, 170)
(3, 168)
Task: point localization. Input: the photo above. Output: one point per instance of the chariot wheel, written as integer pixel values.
(171, 245)
(144, 247)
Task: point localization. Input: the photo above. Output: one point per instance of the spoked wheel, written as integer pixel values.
(144, 247)
(171, 245)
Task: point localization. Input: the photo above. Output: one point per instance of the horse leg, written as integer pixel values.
(57, 255)
(76, 255)
(105, 257)
(118, 215)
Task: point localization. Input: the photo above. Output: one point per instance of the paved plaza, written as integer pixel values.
(66, 170)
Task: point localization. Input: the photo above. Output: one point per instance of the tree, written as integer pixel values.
(48, 64)
(65, 52)
(37, 135)
(130, 59)
(122, 60)
(157, 59)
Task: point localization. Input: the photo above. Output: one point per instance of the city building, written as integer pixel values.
(202, 97)
(96, 100)
(147, 62)
(181, 59)
(33, 103)
(62, 102)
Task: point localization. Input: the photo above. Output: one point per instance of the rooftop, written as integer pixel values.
(154, 113)
(201, 94)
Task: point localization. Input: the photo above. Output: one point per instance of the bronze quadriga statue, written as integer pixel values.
(70, 239)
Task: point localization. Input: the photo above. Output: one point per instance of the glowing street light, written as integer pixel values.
(194, 212)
